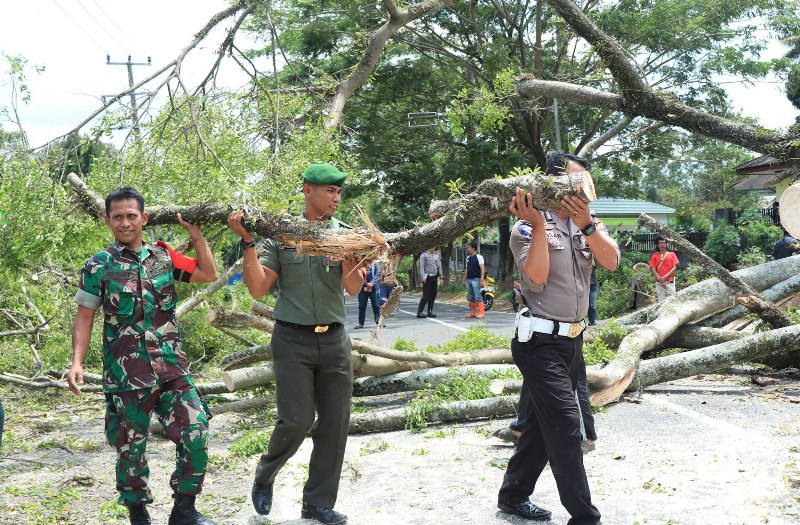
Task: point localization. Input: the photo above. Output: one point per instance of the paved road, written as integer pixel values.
(449, 323)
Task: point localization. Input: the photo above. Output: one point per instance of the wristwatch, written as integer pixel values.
(590, 229)
(246, 245)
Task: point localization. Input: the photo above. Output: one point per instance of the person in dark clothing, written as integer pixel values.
(430, 273)
(370, 291)
(785, 247)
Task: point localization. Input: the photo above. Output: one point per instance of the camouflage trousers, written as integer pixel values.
(184, 418)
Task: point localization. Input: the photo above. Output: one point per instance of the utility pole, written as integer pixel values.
(134, 109)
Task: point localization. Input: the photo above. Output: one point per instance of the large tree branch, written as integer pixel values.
(638, 99)
(666, 109)
(397, 20)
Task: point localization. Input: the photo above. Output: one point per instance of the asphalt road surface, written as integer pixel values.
(449, 323)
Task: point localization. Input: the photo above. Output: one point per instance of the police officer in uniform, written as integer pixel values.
(555, 251)
(310, 350)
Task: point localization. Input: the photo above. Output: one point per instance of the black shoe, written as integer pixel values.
(138, 514)
(526, 509)
(184, 513)
(420, 315)
(322, 515)
(262, 497)
(432, 315)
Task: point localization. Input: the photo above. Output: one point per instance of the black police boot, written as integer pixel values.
(138, 514)
(322, 515)
(262, 497)
(431, 314)
(184, 513)
(420, 315)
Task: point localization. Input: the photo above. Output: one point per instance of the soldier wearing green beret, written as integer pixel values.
(310, 350)
(144, 368)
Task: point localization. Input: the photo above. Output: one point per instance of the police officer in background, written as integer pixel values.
(310, 350)
(555, 251)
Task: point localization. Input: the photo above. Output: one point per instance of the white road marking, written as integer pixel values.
(434, 320)
(732, 429)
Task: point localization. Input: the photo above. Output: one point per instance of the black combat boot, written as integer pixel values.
(138, 514)
(184, 513)
(431, 314)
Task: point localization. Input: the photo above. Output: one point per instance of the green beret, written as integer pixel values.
(324, 174)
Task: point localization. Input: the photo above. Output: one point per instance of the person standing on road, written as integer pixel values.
(663, 265)
(555, 251)
(370, 291)
(144, 367)
(430, 273)
(311, 350)
(474, 274)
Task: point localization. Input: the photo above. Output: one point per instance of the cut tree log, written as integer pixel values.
(395, 419)
(790, 206)
(419, 379)
(248, 356)
(754, 347)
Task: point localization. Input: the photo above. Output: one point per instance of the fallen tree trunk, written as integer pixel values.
(478, 357)
(690, 304)
(774, 293)
(235, 319)
(750, 348)
(248, 356)
(419, 379)
(395, 419)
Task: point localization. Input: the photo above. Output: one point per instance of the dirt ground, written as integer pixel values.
(707, 450)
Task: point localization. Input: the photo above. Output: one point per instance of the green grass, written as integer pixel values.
(250, 443)
(476, 338)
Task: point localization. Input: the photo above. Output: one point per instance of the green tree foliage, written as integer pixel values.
(723, 244)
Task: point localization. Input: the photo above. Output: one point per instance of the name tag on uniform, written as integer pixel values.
(554, 239)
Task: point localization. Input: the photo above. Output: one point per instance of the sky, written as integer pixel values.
(72, 37)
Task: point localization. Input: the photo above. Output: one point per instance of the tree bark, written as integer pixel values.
(775, 293)
(419, 379)
(248, 356)
(395, 419)
(547, 192)
(750, 348)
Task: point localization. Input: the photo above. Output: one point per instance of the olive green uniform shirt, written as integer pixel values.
(310, 288)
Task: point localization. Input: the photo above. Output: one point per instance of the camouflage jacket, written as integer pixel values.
(141, 344)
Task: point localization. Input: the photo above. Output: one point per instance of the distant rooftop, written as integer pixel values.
(608, 207)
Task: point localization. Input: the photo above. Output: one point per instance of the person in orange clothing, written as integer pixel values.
(663, 265)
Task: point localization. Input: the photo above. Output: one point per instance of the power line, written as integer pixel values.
(122, 31)
(79, 26)
(99, 24)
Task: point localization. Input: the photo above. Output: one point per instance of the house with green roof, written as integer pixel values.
(622, 214)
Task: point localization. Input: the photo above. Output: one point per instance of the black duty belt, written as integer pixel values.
(315, 328)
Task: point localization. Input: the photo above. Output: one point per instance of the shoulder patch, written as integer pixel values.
(525, 230)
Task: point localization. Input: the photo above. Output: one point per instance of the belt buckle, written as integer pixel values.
(321, 328)
(575, 330)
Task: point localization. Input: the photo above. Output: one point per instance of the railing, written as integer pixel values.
(646, 242)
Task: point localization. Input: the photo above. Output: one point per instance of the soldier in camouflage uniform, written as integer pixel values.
(144, 367)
